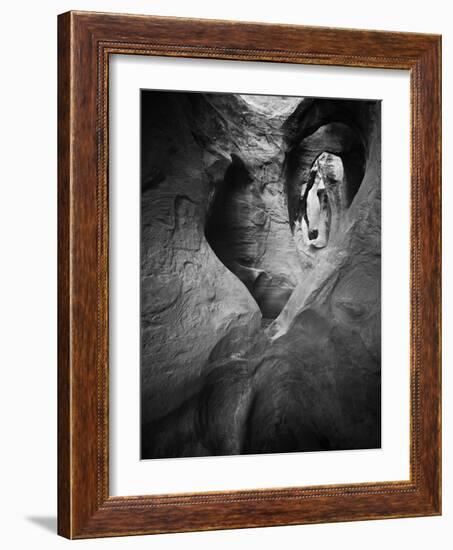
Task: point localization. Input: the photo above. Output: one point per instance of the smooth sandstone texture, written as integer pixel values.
(260, 274)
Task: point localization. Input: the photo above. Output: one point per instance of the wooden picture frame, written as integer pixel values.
(85, 42)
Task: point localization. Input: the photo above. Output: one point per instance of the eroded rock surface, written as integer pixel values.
(260, 274)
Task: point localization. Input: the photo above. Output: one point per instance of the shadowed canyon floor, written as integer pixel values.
(260, 274)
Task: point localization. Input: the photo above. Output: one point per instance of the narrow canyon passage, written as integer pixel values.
(260, 274)
(237, 231)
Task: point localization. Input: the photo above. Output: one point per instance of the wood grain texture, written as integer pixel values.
(86, 40)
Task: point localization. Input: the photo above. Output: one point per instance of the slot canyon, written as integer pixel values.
(260, 274)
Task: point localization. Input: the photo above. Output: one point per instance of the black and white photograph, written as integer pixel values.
(227, 257)
(260, 274)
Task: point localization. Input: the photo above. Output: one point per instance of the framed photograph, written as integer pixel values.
(249, 275)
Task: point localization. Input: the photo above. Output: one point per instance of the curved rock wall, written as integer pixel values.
(257, 337)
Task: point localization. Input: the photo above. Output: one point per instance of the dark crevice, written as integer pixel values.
(236, 230)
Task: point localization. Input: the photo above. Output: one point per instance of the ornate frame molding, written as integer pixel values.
(86, 40)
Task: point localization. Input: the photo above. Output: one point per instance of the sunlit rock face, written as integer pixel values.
(322, 204)
(260, 275)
